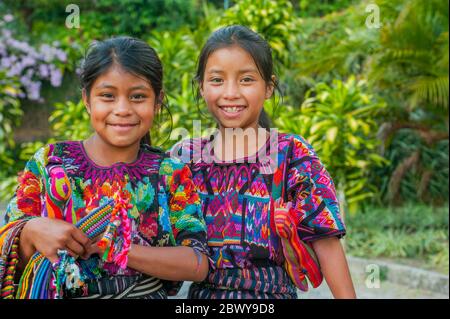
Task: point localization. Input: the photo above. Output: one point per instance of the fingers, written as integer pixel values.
(72, 253)
(92, 249)
(80, 237)
(74, 246)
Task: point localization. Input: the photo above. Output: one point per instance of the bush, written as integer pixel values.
(411, 232)
(339, 122)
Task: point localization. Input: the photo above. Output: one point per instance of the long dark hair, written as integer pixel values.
(251, 42)
(133, 55)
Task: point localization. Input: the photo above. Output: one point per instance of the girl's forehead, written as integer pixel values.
(230, 56)
(116, 74)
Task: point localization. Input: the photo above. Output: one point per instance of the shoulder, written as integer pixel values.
(170, 165)
(50, 153)
(187, 149)
(299, 146)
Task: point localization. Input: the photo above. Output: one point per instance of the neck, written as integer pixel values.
(105, 154)
(236, 143)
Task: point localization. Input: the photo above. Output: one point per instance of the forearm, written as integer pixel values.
(334, 267)
(169, 263)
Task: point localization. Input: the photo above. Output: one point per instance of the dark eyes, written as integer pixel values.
(247, 80)
(216, 80)
(134, 97)
(243, 80)
(107, 96)
(138, 97)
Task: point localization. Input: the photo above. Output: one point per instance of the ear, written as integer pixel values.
(86, 101)
(159, 101)
(200, 87)
(271, 87)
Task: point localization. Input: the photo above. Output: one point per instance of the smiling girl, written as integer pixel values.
(110, 216)
(264, 221)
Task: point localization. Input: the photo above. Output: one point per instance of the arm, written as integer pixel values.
(169, 263)
(181, 262)
(334, 267)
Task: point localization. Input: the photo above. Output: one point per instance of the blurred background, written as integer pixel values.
(365, 82)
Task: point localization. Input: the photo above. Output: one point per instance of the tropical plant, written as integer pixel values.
(274, 20)
(405, 61)
(10, 115)
(338, 120)
(70, 121)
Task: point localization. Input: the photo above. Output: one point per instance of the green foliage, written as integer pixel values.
(311, 8)
(339, 122)
(405, 62)
(70, 121)
(105, 18)
(413, 57)
(274, 20)
(10, 115)
(412, 231)
(426, 180)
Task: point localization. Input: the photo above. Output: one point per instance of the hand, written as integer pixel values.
(92, 248)
(47, 235)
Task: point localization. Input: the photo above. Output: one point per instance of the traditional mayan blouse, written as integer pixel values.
(236, 197)
(61, 181)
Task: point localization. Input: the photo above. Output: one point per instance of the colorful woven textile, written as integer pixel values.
(237, 204)
(157, 194)
(50, 280)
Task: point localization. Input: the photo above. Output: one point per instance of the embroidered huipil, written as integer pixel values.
(236, 197)
(60, 181)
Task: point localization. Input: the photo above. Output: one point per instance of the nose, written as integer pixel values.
(231, 91)
(122, 108)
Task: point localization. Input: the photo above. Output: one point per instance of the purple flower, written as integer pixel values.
(15, 69)
(7, 33)
(19, 45)
(46, 52)
(33, 90)
(44, 71)
(61, 55)
(55, 77)
(6, 62)
(8, 18)
(28, 61)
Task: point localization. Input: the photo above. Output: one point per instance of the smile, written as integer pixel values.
(123, 127)
(232, 109)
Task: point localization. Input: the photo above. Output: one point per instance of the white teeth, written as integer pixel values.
(233, 109)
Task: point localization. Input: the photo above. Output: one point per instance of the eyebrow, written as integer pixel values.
(249, 70)
(109, 86)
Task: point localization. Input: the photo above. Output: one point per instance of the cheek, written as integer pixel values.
(256, 98)
(211, 94)
(147, 116)
(99, 109)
